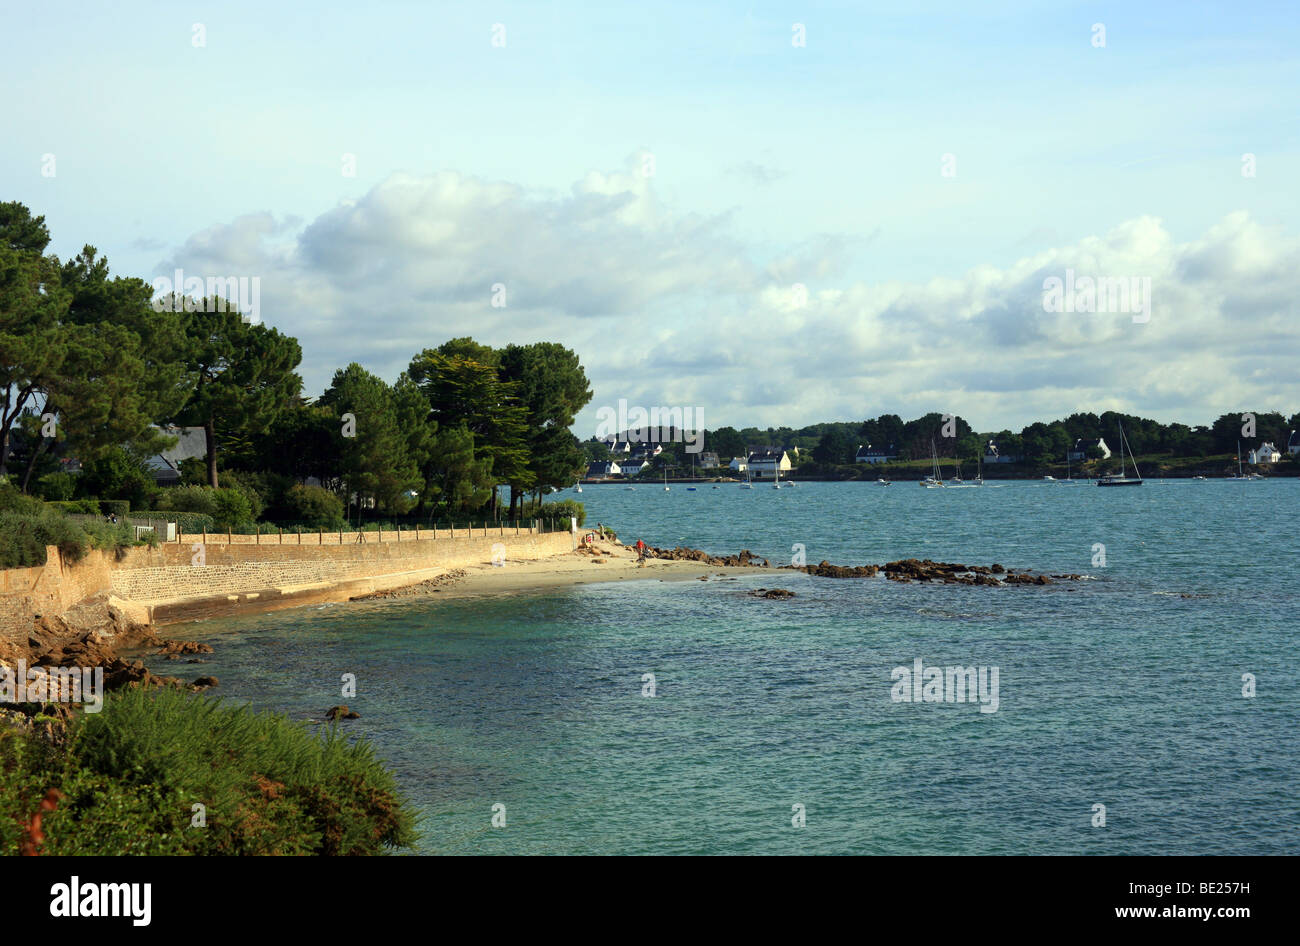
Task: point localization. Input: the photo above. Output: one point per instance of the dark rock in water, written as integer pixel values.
(825, 569)
(203, 683)
(341, 712)
(772, 593)
(172, 648)
(746, 558)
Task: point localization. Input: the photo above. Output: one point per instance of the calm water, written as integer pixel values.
(1123, 691)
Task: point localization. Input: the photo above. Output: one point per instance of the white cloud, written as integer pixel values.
(666, 307)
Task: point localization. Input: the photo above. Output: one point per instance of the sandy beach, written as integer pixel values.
(607, 562)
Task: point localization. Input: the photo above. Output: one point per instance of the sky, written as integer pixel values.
(709, 212)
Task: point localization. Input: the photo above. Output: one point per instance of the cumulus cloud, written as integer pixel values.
(668, 307)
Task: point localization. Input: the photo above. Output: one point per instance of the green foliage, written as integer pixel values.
(187, 522)
(196, 499)
(374, 455)
(84, 507)
(132, 773)
(24, 537)
(118, 473)
(56, 486)
(243, 373)
(243, 483)
(557, 512)
(314, 507)
(230, 508)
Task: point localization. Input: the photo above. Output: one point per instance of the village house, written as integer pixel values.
(1264, 453)
(603, 471)
(738, 464)
(708, 460)
(869, 454)
(764, 462)
(633, 466)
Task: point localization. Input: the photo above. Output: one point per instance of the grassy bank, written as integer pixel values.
(162, 771)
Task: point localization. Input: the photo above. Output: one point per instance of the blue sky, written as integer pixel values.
(772, 165)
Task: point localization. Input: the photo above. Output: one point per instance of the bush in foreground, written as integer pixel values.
(131, 775)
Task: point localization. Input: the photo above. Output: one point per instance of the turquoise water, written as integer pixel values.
(1124, 691)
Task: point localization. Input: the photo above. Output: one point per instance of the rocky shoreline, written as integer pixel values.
(90, 636)
(906, 570)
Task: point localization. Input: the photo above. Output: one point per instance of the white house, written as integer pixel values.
(634, 467)
(738, 464)
(707, 460)
(766, 461)
(600, 471)
(1264, 453)
(1080, 449)
(870, 454)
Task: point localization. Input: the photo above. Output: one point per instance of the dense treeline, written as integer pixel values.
(833, 444)
(92, 367)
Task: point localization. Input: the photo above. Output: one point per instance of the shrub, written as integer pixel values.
(557, 512)
(132, 772)
(187, 522)
(314, 506)
(230, 508)
(86, 507)
(248, 485)
(56, 486)
(24, 536)
(119, 507)
(189, 499)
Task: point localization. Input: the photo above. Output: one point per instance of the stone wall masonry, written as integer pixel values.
(193, 578)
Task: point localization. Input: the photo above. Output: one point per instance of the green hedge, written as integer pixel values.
(187, 522)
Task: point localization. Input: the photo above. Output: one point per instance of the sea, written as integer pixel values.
(1151, 707)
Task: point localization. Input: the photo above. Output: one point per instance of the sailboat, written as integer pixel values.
(935, 479)
(666, 486)
(577, 486)
(1241, 477)
(1069, 477)
(1123, 479)
(749, 480)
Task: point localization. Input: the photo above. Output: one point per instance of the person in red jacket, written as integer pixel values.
(640, 551)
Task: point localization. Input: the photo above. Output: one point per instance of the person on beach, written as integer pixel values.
(640, 551)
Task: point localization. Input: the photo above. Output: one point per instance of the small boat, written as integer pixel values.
(690, 489)
(881, 481)
(1123, 479)
(1050, 479)
(749, 480)
(578, 487)
(667, 488)
(1198, 477)
(935, 479)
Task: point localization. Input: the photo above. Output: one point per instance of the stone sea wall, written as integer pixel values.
(206, 575)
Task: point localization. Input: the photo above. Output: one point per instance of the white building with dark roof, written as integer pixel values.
(869, 454)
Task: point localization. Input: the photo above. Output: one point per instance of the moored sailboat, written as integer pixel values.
(1123, 479)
